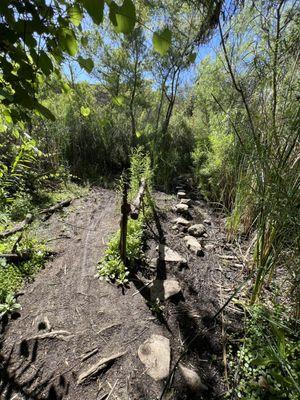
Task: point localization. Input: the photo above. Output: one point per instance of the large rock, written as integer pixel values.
(181, 194)
(182, 208)
(168, 255)
(192, 379)
(181, 221)
(197, 230)
(193, 245)
(186, 201)
(154, 353)
(164, 289)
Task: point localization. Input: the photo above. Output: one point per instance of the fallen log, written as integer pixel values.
(17, 257)
(30, 217)
(49, 211)
(138, 201)
(17, 228)
(23, 255)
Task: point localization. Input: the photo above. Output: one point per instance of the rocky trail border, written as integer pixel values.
(81, 338)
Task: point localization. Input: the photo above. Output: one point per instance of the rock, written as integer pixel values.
(153, 263)
(171, 256)
(186, 201)
(154, 353)
(181, 195)
(164, 289)
(207, 221)
(193, 245)
(200, 203)
(192, 379)
(209, 247)
(181, 208)
(197, 230)
(181, 221)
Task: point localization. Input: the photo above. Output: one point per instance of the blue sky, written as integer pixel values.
(187, 77)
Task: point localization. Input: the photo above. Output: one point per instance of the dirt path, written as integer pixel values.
(100, 320)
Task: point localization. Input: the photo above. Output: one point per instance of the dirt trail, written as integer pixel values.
(102, 319)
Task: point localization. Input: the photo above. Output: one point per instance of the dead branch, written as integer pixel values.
(107, 327)
(17, 257)
(61, 334)
(95, 368)
(29, 218)
(138, 201)
(89, 354)
(17, 228)
(112, 389)
(23, 255)
(49, 211)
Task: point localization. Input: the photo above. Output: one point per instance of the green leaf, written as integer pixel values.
(118, 101)
(138, 134)
(45, 112)
(75, 15)
(3, 128)
(65, 87)
(95, 9)
(86, 63)
(84, 41)
(22, 97)
(162, 41)
(69, 42)
(125, 17)
(103, 122)
(85, 111)
(16, 133)
(7, 116)
(45, 63)
(192, 57)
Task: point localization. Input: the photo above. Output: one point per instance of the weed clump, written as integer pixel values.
(111, 266)
(267, 365)
(13, 276)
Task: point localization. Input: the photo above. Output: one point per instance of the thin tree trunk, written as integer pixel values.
(275, 71)
(131, 104)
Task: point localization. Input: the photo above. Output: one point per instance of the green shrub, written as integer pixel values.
(9, 305)
(11, 279)
(267, 365)
(140, 168)
(12, 276)
(111, 266)
(20, 206)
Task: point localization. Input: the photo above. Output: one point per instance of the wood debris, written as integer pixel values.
(60, 334)
(17, 228)
(98, 366)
